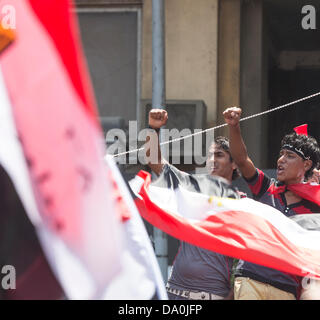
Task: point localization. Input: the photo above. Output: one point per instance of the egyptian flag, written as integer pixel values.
(206, 212)
(140, 277)
(52, 150)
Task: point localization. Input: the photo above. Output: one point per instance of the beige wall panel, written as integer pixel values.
(191, 52)
(228, 58)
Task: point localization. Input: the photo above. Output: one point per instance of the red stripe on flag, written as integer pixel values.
(62, 26)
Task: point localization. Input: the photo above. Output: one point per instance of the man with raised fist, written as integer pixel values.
(299, 155)
(197, 273)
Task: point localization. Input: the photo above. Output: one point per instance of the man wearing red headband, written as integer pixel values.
(299, 155)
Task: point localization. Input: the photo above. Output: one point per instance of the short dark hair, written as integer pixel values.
(223, 143)
(307, 144)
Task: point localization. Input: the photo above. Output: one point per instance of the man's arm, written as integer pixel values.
(157, 119)
(237, 147)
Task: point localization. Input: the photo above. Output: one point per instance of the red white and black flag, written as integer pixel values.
(55, 138)
(62, 225)
(206, 212)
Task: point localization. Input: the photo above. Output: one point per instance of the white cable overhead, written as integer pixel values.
(223, 125)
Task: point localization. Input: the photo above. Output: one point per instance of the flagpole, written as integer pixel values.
(158, 101)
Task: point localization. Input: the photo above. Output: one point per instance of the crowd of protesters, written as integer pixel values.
(202, 274)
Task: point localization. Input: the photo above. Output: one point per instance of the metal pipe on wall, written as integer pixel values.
(158, 54)
(158, 101)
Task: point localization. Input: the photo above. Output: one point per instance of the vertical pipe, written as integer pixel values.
(158, 101)
(158, 54)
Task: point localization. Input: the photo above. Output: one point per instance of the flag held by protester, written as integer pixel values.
(206, 212)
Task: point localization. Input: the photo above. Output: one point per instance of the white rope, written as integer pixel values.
(225, 124)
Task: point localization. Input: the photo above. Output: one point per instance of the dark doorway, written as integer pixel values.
(293, 71)
(110, 41)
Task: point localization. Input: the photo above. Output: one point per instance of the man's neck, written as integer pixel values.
(294, 181)
(291, 197)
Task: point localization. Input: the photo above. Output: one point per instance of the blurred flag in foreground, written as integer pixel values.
(19, 245)
(74, 230)
(55, 154)
(140, 277)
(205, 212)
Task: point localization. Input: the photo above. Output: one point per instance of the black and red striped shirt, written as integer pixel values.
(261, 187)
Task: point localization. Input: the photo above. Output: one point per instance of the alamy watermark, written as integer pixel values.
(8, 17)
(8, 277)
(133, 147)
(309, 19)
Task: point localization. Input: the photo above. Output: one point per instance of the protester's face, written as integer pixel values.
(291, 168)
(315, 178)
(219, 163)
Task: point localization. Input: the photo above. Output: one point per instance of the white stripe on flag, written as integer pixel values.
(141, 274)
(12, 157)
(198, 207)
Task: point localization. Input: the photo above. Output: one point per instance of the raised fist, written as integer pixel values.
(232, 116)
(157, 118)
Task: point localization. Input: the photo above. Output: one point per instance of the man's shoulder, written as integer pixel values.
(204, 183)
(260, 183)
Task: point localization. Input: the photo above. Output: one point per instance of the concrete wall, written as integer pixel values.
(228, 58)
(191, 52)
(254, 82)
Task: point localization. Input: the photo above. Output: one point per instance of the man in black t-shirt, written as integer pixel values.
(197, 274)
